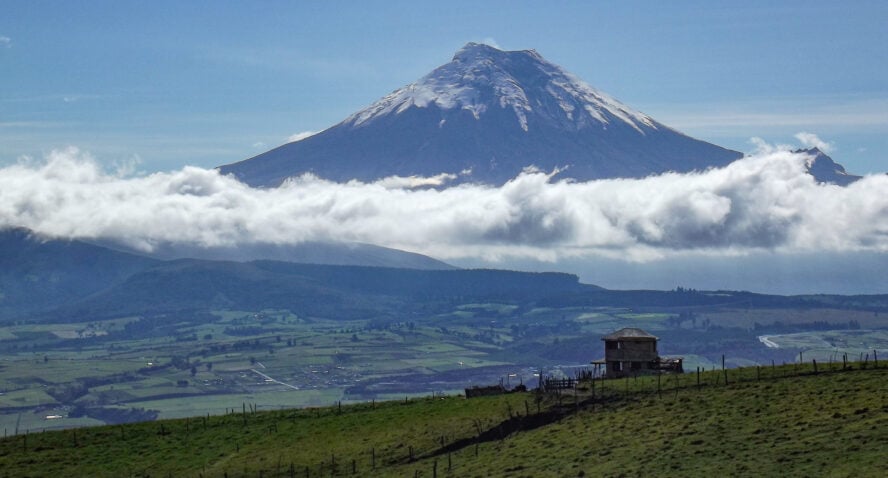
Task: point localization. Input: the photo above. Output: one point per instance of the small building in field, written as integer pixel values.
(632, 351)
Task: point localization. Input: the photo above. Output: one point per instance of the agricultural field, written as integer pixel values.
(792, 420)
(135, 368)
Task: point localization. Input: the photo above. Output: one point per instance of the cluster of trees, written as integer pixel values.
(114, 416)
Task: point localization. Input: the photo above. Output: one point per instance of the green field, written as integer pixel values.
(766, 421)
(194, 363)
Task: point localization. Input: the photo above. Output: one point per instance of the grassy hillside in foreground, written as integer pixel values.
(783, 421)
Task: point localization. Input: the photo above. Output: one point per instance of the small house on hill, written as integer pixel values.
(632, 351)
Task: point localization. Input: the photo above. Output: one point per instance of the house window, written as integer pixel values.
(616, 366)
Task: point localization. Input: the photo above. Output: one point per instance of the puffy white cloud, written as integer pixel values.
(764, 202)
(810, 140)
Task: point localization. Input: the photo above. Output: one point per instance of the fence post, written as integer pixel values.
(724, 369)
(814, 361)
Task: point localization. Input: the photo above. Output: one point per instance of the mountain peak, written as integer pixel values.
(825, 169)
(481, 78)
(492, 112)
(473, 51)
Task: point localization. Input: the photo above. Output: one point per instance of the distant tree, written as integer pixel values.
(193, 370)
(209, 366)
(355, 338)
(252, 360)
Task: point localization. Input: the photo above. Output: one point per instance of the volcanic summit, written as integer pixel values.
(484, 117)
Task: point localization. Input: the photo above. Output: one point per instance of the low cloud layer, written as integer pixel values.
(764, 202)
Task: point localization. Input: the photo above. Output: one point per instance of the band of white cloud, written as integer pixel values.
(762, 202)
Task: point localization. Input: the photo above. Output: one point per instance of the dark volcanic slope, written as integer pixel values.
(313, 290)
(492, 113)
(37, 273)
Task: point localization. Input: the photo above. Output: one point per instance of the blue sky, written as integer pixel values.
(209, 83)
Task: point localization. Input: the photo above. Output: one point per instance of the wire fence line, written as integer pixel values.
(440, 454)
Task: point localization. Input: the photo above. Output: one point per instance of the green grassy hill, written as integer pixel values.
(783, 421)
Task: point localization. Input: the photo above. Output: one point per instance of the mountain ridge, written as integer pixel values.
(825, 169)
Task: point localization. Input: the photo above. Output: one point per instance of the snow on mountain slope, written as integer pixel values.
(478, 70)
(484, 117)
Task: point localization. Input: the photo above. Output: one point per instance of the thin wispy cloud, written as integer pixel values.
(765, 202)
(5, 42)
(802, 113)
(65, 98)
(300, 136)
(491, 42)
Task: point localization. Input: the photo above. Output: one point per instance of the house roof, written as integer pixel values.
(630, 333)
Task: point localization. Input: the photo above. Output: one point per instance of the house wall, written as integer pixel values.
(630, 350)
(626, 357)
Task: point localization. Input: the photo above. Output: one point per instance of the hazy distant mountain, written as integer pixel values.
(345, 292)
(484, 117)
(332, 253)
(38, 273)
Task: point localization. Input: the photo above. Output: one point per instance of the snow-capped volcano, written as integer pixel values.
(484, 117)
(481, 77)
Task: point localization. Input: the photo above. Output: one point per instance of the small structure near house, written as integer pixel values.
(477, 391)
(632, 351)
